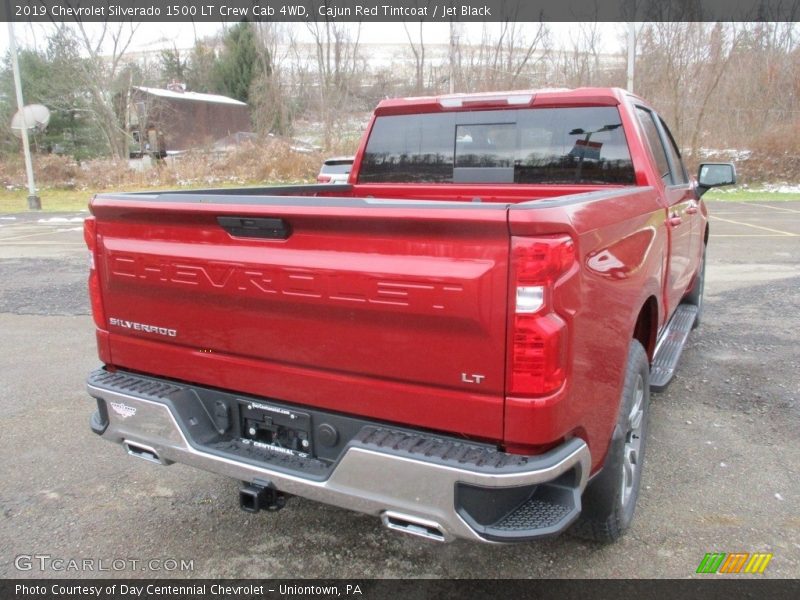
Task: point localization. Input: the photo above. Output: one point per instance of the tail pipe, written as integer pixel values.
(413, 525)
(144, 452)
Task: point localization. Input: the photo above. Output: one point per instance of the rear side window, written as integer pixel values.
(679, 170)
(654, 141)
(544, 145)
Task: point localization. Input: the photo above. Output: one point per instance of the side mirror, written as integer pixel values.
(715, 175)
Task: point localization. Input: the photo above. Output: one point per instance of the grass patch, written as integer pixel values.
(738, 195)
(53, 200)
(65, 200)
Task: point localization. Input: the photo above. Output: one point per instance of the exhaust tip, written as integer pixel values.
(144, 452)
(429, 530)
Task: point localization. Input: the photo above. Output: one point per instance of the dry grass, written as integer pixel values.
(65, 185)
(775, 157)
(269, 162)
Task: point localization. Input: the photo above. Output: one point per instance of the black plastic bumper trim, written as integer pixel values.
(523, 513)
(99, 419)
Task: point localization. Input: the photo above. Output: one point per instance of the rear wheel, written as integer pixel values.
(610, 498)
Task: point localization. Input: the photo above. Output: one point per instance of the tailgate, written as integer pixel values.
(389, 310)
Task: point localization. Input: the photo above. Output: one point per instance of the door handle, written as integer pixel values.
(675, 220)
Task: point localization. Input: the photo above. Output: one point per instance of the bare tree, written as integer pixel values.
(580, 64)
(456, 76)
(337, 63)
(106, 51)
(509, 55)
(680, 68)
(757, 103)
(519, 52)
(418, 50)
(273, 107)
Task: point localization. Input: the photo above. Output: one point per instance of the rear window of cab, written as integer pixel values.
(569, 145)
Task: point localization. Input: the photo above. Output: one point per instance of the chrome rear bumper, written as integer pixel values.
(437, 499)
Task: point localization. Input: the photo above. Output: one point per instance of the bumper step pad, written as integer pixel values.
(534, 514)
(523, 513)
(130, 383)
(670, 347)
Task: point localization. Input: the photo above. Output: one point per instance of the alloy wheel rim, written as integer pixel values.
(632, 452)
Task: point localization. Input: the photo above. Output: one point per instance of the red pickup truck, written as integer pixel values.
(461, 340)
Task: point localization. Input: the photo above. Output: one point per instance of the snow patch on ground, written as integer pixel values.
(766, 188)
(782, 188)
(725, 153)
(62, 220)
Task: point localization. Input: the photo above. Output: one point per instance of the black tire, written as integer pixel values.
(695, 295)
(610, 498)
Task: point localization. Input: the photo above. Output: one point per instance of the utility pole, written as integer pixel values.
(631, 53)
(34, 203)
(452, 58)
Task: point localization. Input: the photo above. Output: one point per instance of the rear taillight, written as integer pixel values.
(323, 178)
(95, 294)
(539, 335)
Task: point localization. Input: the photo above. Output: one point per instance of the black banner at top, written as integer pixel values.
(398, 10)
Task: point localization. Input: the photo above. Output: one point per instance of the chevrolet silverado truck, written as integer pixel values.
(461, 340)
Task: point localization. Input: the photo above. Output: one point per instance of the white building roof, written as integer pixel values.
(197, 97)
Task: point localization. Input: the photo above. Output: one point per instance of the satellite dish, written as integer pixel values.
(32, 116)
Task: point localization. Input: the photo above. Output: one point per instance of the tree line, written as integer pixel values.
(718, 84)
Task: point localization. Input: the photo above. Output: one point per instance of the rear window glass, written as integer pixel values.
(410, 148)
(544, 145)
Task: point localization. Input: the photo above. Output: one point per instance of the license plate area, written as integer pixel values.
(275, 428)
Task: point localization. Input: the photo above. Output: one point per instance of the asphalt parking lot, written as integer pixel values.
(722, 471)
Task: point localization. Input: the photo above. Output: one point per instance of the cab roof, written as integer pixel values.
(547, 97)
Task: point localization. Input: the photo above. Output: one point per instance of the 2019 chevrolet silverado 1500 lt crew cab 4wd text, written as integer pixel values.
(461, 340)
